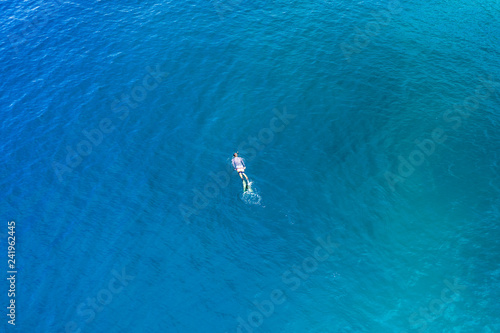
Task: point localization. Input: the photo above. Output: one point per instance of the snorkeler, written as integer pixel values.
(239, 166)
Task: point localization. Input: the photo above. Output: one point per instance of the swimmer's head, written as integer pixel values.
(235, 154)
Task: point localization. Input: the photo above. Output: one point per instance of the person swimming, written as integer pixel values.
(239, 166)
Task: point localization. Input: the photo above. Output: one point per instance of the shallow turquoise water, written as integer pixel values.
(388, 155)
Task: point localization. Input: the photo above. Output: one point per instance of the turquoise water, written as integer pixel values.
(370, 132)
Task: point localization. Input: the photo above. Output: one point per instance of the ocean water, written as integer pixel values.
(370, 132)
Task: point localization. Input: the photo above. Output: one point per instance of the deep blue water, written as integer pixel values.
(370, 131)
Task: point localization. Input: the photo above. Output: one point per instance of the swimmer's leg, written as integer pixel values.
(248, 182)
(245, 184)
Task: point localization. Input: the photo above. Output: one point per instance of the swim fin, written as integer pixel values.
(248, 186)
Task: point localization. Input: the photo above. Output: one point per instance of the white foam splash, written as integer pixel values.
(251, 197)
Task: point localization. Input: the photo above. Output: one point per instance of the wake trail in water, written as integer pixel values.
(251, 197)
